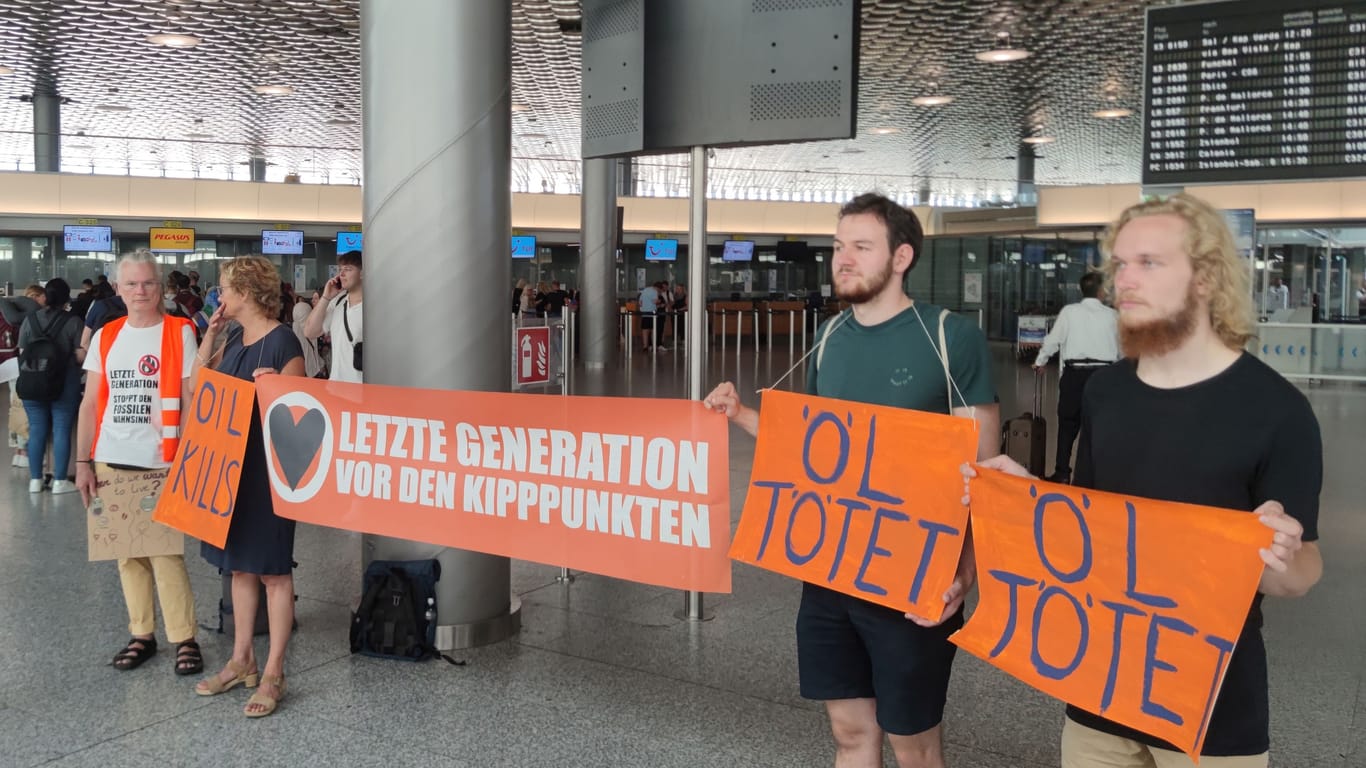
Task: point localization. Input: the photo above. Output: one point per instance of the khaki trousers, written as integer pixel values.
(1084, 747)
(166, 576)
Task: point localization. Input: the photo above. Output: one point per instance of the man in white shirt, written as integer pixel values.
(1277, 295)
(141, 370)
(1087, 333)
(339, 313)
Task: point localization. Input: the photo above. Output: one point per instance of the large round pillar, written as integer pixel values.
(598, 315)
(47, 132)
(436, 81)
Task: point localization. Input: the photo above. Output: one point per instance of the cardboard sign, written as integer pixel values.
(631, 488)
(119, 521)
(1125, 607)
(201, 488)
(858, 498)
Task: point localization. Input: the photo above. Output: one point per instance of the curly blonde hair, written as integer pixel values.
(257, 278)
(1218, 267)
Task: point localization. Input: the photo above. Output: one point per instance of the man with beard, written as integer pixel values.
(877, 671)
(1171, 422)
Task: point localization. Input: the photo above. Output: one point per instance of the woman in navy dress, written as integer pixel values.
(260, 545)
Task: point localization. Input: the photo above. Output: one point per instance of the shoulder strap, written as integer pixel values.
(825, 334)
(344, 303)
(944, 358)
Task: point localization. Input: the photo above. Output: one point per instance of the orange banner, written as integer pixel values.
(1125, 607)
(630, 488)
(858, 498)
(201, 488)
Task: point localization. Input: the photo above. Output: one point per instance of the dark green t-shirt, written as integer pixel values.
(897, 362)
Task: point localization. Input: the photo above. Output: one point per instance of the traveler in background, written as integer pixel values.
(287, 302)
(260, 545)
(339, 314)
(187, 300)
(1277, 295)
(81, 303)
(878, 671)
(517, 295)
(313, 361)
(55, 417)
(1190, 416)
(35, 292)
(1085, 337)
(194, 283)
(155, 353)
(15, 309)
(650, 301)
(1361, 300)
(680, 313)
(528, 301)
(551, 303)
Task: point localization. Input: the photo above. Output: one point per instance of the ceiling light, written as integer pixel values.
(516, 107)
(6, 70)
(174, 40)
(113, 108)
(341, 121)
(1039, 139)
(275, 90)
(1112, 112)
(80, 147)
(199, 135)
(932, 101)
(1003, 51)
(885, 130)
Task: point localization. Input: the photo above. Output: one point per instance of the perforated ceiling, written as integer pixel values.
(132, 107)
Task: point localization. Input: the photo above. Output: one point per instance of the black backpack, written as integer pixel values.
(42, 364)
(391, 622)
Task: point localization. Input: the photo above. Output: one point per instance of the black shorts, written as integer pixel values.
(848, 648)
(647, 322)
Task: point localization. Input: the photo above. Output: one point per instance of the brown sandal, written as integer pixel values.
(261, 699)
(212, 686)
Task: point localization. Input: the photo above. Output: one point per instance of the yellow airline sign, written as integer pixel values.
(171, 239)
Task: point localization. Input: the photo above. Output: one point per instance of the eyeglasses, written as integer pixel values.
(146, 285)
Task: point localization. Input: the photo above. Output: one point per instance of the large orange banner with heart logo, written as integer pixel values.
(201, 486)
(631, 488)
(1125, 607)
(862, 499)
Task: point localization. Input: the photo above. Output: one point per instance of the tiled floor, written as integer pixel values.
(602, 673)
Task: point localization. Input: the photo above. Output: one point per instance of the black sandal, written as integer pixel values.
(136, 652)
(188, 660)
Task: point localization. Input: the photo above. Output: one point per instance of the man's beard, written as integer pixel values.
(1163, 335)
(862, 294)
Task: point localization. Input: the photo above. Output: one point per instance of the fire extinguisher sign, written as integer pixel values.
(532, 351)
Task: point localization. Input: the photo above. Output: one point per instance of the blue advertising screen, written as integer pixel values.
(523, 247)
(661, 250)
(348, 242)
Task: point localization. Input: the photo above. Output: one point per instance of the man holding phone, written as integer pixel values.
(339, 313)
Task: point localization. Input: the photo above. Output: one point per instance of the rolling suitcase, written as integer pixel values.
(1025, 437)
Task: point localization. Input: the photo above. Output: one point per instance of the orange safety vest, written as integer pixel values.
(172, 362)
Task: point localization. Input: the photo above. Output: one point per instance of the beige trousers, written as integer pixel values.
(1084, 747)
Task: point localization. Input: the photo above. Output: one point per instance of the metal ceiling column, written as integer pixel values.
(598, 315)
(436, 85)
(47, 132)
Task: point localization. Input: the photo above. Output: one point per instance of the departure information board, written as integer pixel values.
(1255, 90)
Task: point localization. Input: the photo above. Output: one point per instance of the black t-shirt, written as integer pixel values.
(1235, 440)
(552, 302)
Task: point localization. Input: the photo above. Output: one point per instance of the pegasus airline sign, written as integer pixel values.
(171, 239)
